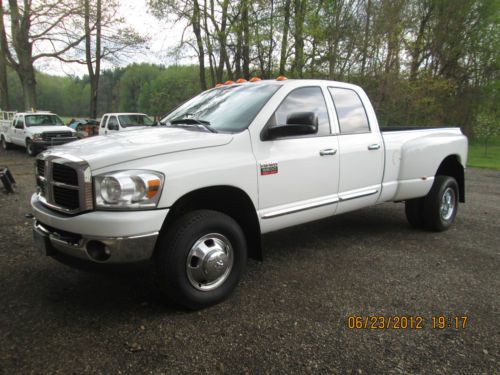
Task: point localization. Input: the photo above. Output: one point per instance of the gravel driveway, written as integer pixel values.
(290, 313)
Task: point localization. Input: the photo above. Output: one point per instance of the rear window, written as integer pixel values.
(350, 111)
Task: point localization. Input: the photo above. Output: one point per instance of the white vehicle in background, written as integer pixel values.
(114, 122)
(36, 131)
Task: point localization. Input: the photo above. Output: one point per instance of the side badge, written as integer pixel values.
(268, 168)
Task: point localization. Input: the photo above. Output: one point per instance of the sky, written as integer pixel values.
(164, 37)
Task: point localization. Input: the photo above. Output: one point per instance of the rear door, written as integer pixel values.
(361, 151)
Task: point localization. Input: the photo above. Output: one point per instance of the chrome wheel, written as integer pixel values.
(209, 262)
(447, 204)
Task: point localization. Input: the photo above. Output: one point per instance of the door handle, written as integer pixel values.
(328, 151)
(374, 146)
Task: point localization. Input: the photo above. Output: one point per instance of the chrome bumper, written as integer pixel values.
(109, 249)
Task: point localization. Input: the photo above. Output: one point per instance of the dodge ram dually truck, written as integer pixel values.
(193, 197)
(36, 131)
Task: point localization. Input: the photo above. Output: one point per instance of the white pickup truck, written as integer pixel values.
(36, 131)
(114, 122)
(192, 198)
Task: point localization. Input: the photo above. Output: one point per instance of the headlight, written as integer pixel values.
(37, 137)
(128, 190)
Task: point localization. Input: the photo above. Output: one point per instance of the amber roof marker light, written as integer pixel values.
(219, 85)
(241, 80)
(281, 78)
(255, 79)
(229, 82)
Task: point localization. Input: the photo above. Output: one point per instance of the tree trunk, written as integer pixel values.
(26, 74)
(284, 41)
(4, 90)
(300, 13)
(199, 40)
(366, 36)
(246, 39)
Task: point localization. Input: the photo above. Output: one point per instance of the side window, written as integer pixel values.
(103, 121)
(113, 123)
(19, 123)
(350, 111)
(304, 99)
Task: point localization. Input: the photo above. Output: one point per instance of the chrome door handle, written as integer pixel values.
(374, 146)
(328, 151)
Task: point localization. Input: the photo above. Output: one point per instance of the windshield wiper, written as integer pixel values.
(193, 121)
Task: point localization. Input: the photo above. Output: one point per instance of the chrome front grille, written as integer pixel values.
(64, 184)
(48, 136)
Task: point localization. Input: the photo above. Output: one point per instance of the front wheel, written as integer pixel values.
(199, 258)
(30, 148)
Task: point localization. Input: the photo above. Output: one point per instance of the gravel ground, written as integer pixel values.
(290, 312)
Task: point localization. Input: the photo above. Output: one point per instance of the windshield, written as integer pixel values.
(42, 120)
(134, 120)
(226, 109)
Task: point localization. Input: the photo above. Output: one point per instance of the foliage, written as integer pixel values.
(487, 127)
(145, 88)
(478, 159)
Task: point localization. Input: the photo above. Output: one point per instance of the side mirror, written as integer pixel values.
(297, 124)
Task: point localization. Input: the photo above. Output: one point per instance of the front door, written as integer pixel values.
(297, 176)
(19, 132)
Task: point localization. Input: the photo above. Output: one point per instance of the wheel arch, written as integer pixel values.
(451, 166)
(229, 200)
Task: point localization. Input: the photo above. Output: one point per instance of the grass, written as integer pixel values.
(477, 158)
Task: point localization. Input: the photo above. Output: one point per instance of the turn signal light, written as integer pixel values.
(281, 78)
(255, 79)
(241, 80)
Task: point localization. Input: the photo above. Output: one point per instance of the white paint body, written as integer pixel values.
(104, 129)
(307, 186)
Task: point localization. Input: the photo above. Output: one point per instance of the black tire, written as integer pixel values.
(434, 213)
(30, 148)
(6, 145)
(175, 245)
(414, 210)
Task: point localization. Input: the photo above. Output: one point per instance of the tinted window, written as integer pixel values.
(19, 124)
(350, 111)
(43, 120)
(134, 120)
(228, 108)
(103, 121)
(304, 99)
(113, 123)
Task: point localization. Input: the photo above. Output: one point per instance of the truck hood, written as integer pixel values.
(120, 147)
(49, 128)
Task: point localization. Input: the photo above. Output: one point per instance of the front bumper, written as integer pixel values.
(98, 236)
